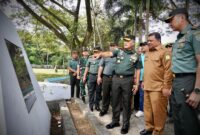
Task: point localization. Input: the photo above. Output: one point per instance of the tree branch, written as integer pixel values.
(64, 8)
(52, 14)
(88, 13)
(75, 38)
(89, 23)
(44, 22)
(53, 23)
(173, 4)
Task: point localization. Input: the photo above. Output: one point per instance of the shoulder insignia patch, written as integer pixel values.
(167, 57)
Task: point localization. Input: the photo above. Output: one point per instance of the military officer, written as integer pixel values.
(72, 67)
(106, 70)
(122, 87)
(94, 89)
(80, 72)
(186, 68)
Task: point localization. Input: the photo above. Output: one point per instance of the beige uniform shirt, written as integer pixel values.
(157, 69)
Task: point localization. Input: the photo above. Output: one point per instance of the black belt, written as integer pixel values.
(93, 74)
(109, 76)
(183, 74)
(123, 76)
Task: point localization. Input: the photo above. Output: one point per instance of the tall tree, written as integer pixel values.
(89, 23)
(52, 14)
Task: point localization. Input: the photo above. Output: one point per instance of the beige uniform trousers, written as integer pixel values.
(155, 111)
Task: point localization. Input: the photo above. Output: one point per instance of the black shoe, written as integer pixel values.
(83, 99)
(97, 108)
(91, 108)
(125, 129)
(102, 113)
(112, 125)
(146, 132)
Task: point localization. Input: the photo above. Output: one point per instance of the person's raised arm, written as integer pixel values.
(104, 54)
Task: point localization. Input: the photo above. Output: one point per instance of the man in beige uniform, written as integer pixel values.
(157, 85)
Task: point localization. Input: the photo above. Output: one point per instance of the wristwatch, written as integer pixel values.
(197, 90)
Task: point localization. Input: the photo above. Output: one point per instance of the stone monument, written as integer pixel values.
(23, 110)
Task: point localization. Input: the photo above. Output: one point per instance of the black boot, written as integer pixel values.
(91, 108)
(102, 113)
(97, 108)
(125, 129)
(112, 125)
(83, 99)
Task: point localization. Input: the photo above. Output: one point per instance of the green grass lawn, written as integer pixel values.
(41, 74)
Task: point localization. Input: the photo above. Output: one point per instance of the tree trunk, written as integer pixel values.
(140, 23)
(135, 20)
(89, 24)
(147, 20)
(76, 17)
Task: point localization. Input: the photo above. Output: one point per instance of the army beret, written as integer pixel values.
(129, 38)
(175, 12)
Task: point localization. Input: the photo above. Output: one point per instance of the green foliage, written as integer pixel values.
(43, 48)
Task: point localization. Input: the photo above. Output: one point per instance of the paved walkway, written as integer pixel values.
(99, 123)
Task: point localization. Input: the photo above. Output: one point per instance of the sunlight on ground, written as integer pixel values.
(50, 71)
(42, 74)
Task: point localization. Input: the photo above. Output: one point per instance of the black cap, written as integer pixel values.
(96, 49)
(143, 44)
(175, 12)
(129, 38)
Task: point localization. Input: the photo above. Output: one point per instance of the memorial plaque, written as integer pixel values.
(22, 74)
